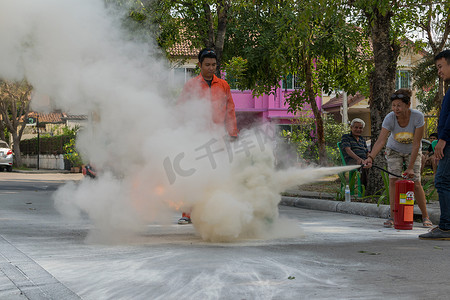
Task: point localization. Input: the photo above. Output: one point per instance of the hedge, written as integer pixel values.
(48, 145)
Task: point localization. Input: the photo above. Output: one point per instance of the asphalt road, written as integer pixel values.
(338, 256)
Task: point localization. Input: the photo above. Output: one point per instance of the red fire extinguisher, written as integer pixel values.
(404, 204)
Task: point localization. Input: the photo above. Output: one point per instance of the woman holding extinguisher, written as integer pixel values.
(402, 129)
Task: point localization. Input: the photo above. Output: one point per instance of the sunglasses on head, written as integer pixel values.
(399, 96)
(208, 52)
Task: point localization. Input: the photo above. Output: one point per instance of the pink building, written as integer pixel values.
(249, 109)
(271, 108)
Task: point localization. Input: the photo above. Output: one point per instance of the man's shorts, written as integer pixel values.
(396, 160)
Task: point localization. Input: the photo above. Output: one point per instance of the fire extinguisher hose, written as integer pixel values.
(386, 171)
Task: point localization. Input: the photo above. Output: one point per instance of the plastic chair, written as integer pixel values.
(433, 144)
(350, 174)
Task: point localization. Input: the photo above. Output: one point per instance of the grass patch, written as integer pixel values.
(22, 168)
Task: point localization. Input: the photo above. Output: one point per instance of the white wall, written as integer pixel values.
(50, 161)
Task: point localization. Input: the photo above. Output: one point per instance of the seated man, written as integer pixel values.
(354, 147)
(428, 156)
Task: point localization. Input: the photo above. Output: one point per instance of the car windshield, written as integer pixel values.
(3, 145)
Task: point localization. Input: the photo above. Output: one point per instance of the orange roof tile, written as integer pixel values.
(337, 101)
(47, 118)
(184, 48)
(74, 117)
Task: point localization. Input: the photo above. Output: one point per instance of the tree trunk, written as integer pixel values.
(382, 85)
(210, 42)
(443, 88)
(217, 41)
(222, 20)
(317, 115)
(16, 149)
(14, 108)
(2, 131)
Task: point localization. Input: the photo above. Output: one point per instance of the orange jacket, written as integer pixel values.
(221, 101)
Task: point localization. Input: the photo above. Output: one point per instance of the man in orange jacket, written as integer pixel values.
(208, 86)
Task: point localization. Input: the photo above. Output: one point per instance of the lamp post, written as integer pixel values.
(39, 144)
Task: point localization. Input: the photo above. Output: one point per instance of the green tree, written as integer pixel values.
(203, 23)
(235, 70)
(14, 107)
(386, 23)
(303, 135)
(72, 154)
(2, 130)
(308, 39)
(434, 21)
(285, 33)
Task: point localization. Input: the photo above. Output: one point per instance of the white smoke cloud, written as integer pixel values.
(151, 151)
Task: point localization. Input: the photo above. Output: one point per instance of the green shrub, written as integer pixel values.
(71, 154)
(48, 144)
(304, 135)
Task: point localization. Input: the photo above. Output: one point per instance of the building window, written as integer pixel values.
(186, 73)
(403, 80)
(291, 82)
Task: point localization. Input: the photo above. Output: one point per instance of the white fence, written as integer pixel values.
(51, 162)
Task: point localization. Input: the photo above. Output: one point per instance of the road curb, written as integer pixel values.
(308, 194)
(44, 171)
(356, 208)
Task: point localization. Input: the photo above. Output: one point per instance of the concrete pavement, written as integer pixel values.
(331, 256)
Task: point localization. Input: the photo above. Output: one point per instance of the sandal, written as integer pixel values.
(426, 222)
(184, 221)
(389, 223)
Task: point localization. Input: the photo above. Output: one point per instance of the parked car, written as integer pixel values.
(6, 157)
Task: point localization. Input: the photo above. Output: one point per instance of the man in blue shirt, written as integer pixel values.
(442, 153)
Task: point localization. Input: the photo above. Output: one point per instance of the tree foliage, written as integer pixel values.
(324, 44)
(304, 137)
(385, 24)
(388, 23)
(235, 69)
(201, 22)
(434, 21)
(276, 38)
(309, 40)
(14, 107)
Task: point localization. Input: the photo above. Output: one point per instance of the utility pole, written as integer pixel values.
(344, 108)
(38, 143)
